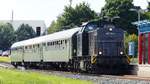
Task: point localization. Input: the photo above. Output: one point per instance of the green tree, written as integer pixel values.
(147, 14)
(6, 35)
(148, 8)
(121, 8)
(72, 17)
(53, 27)
(24, 32)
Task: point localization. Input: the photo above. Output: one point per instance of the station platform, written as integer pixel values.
(143, 70)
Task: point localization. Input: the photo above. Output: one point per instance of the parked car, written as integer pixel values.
(6, 53)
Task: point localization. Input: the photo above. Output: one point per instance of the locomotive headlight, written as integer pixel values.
(110, 29)
(121, 52)
(100, 52)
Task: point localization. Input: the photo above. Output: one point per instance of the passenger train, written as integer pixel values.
(96, 45)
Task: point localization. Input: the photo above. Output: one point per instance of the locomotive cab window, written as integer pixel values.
(90, 27)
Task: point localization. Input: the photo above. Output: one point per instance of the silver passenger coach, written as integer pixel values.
(56, 47)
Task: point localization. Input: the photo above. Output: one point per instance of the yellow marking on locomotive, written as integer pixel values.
(128, 59)
(93, 59)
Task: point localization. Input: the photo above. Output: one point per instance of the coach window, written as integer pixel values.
(48, 43)
(38, 45)
(26, 47)
(56, 42)
(30, 47)
(33, 46)
(51, 43)
(44, 44)
(65, 41)
(61, 42)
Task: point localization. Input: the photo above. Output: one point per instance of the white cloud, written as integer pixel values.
(142, 3)
(46, 10)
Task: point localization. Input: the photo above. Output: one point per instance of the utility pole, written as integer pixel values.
(70, 1)
(12, 16)
(148, 5)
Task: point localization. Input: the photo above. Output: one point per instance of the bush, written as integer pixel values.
(131, 38)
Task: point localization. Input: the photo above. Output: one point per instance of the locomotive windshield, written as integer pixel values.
(88, 28)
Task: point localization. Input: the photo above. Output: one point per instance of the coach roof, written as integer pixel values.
(66, 34)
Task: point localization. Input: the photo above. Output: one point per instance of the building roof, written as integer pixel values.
(33, 23)
(66, 34)
(143, 26)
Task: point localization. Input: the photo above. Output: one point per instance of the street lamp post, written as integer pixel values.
(138, 12)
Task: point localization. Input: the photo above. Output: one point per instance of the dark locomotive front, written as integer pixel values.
(106, 46)
(101, 44)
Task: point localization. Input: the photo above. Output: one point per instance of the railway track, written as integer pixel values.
(6, 65)
(96, 78)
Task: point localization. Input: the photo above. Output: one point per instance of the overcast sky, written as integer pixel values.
(46, 10)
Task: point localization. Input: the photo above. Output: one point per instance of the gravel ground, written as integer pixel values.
(97, 79)
(101, 79)
(6, 65)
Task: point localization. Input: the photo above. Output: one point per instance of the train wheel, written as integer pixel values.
(14, 64)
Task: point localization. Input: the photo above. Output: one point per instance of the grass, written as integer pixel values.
(9, 76)
(4, 59)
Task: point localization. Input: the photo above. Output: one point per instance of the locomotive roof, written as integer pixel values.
(66, 34)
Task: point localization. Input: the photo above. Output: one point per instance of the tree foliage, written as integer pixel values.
(6, 36)
(147, 14)
(121, 8)
(72, 17)
(24, 32)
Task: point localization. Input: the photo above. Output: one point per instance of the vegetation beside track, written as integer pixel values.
(11, 76)
(4, 59)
